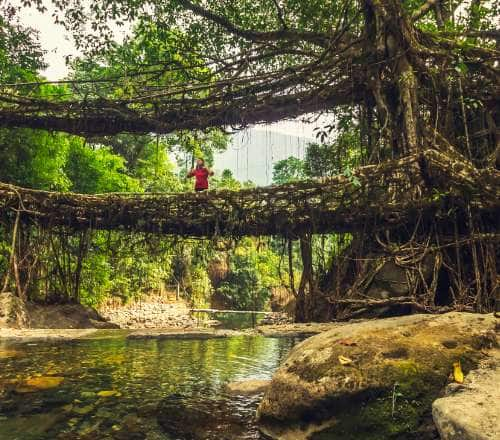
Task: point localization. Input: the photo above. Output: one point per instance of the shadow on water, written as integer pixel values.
(133, 389)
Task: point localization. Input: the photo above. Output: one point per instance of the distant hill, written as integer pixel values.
(254, 151)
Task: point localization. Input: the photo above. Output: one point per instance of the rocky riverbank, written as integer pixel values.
(143, 315)
(154, 313)
(17, 314)
(59, 335)
(368, 377)
(36, 335)
(45, 335)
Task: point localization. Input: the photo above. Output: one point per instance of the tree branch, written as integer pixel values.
(256, 36)
(279, 12)
(101, 117)
(423, 10)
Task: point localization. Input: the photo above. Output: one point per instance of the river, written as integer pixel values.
(119, 388)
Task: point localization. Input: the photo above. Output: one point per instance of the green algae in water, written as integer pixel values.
(142, 372)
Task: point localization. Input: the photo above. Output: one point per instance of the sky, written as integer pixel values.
(53, 39)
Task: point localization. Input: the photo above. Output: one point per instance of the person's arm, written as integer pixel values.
(210, 172)
(190, 174)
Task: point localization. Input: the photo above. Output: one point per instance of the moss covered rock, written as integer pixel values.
(373, 379)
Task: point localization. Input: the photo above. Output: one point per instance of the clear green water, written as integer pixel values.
(158, 385)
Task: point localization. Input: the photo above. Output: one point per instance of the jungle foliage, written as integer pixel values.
(396, 78)
(93, 266)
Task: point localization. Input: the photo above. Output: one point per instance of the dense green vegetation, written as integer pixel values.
(401, 77)
(91, 267)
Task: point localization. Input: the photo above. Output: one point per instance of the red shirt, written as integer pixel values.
(201, 177)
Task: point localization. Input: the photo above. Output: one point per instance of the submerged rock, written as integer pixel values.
(39, 383)
(83, 410)
(109, 393)
(472, 411)
(6, 354)
(247, 387)
(187, 417)
(372, 379)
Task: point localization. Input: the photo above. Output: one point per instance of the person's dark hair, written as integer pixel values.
(202, 163)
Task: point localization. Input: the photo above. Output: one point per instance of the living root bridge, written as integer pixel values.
(386, 195)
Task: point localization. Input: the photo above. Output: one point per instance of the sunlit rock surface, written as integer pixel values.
(471, 411)
(18, 314)
(373, 378)
(13, 313)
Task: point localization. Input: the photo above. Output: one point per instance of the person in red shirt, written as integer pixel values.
(200, 174)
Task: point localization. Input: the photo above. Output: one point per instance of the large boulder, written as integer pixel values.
(18, 314)
(372, 379)
(13, 312)
(472, 411)
(66, 316)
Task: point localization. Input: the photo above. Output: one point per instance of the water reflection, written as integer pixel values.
(121, 389)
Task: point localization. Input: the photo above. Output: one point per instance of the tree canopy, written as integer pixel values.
(414, 67)
(401, 81)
